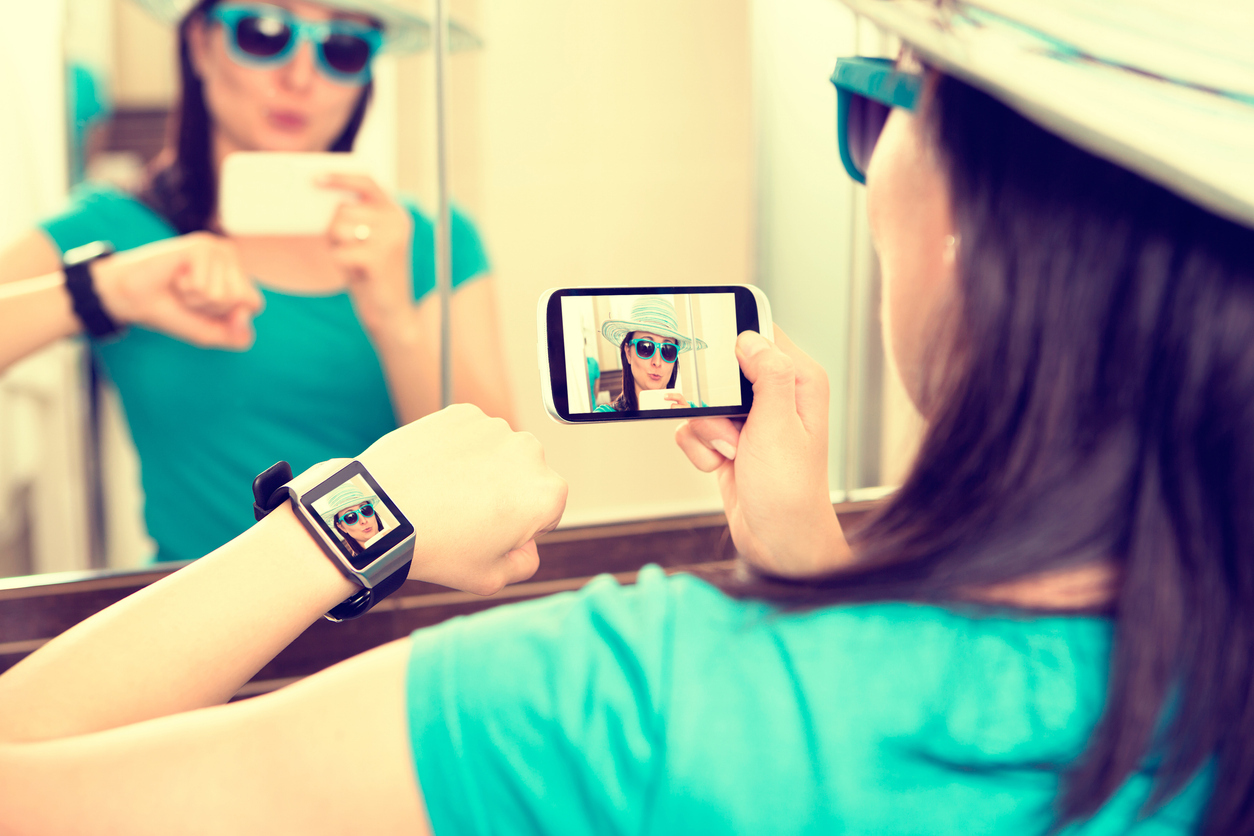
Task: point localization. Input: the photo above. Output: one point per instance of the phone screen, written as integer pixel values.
(622, 353)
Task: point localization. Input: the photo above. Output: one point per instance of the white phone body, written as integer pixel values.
(563, 359)
(265, 193)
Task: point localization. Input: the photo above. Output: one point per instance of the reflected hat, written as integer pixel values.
(345, 496)
(655, 315)
(1164, 89)
(405, 27)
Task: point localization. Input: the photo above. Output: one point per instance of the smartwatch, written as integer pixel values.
(76, 264)
(352, 519)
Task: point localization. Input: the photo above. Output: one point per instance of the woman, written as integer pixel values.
(353, 515)
(335, 339)
(649, 344)
(1048, 628)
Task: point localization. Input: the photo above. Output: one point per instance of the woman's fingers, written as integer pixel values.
(812, 393)
(362, 185)
(708, 443)
(774, 377)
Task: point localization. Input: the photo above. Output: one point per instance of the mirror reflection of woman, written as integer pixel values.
(1049, 628)
(649, 344)
(355, 517)
(334, 339)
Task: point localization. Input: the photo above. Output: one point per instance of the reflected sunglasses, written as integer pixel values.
(267, 36)
(866, 90)
(645, 348)
(350, 518)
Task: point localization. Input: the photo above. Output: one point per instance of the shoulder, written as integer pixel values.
(604, 408)
(97, 212)
(469, 256)
(460, 221)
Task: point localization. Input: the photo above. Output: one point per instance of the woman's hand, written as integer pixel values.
(190, 287)
(477, 493)
(772, 471)
(677, 400)
(371, 240)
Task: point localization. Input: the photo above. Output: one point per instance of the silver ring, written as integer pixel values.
(361, 232)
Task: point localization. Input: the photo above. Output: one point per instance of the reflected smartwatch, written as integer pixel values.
(382, 566)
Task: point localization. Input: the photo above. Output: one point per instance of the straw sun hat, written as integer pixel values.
(405, 28)
(1164, 88)
(343, 498)
(654, 315)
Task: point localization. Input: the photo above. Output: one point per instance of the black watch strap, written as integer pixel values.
(76, 264)
(269, 493)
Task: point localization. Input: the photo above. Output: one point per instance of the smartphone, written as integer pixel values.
(275, 192)
(627, 353)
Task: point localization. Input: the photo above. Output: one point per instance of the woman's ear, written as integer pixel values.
(198, 44)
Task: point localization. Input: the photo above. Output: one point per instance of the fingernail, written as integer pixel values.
(725, 448)
(751, 342)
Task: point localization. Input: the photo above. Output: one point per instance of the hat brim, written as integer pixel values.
(616, 330)
(404, 31)
(1149, 116)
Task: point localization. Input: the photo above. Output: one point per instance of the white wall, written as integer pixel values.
(814, 256)
(42, 430)
(616, 150)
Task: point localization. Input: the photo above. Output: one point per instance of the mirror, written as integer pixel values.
(592, 144)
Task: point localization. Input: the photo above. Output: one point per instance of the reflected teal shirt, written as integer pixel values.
(206, 421)
(669, 708)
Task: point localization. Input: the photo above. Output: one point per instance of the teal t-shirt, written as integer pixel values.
(206, 421)
(669, 708)
(605, 407)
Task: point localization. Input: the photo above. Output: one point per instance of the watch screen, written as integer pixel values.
(357, 515)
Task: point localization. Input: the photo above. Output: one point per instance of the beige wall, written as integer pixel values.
(616, 150)
(144, 58)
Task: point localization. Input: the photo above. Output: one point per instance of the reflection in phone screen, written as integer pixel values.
(649, 352)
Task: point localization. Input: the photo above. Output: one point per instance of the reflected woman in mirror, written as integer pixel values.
(331, 340)
(649, 344)
(353, 515)
(1048, 628)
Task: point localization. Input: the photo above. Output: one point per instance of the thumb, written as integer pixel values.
(773, 375)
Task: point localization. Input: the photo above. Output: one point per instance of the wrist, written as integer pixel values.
(298, 563)
(107, 279)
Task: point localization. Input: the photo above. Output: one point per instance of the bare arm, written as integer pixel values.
(34, 307)
(329, 754)
(188, 287)
(32, 255)
(116, 726)
(411, 354)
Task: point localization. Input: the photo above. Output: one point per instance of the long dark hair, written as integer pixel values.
(626, 402)
(182, 186)
(1100, 408)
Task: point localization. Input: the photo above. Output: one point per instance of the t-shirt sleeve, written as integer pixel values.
(544, 717)
(470, 258)
(102, 213)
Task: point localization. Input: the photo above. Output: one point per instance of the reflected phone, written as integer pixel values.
(276, 193)
(627, 353)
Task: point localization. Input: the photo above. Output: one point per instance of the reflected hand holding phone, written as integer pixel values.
(626, 353)
(273, 193)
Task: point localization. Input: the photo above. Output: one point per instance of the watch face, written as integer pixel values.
(357, 515)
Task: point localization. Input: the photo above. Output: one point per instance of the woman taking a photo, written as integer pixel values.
(1048, 628)
(352, 513)
(335, 340)
(649, 344)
